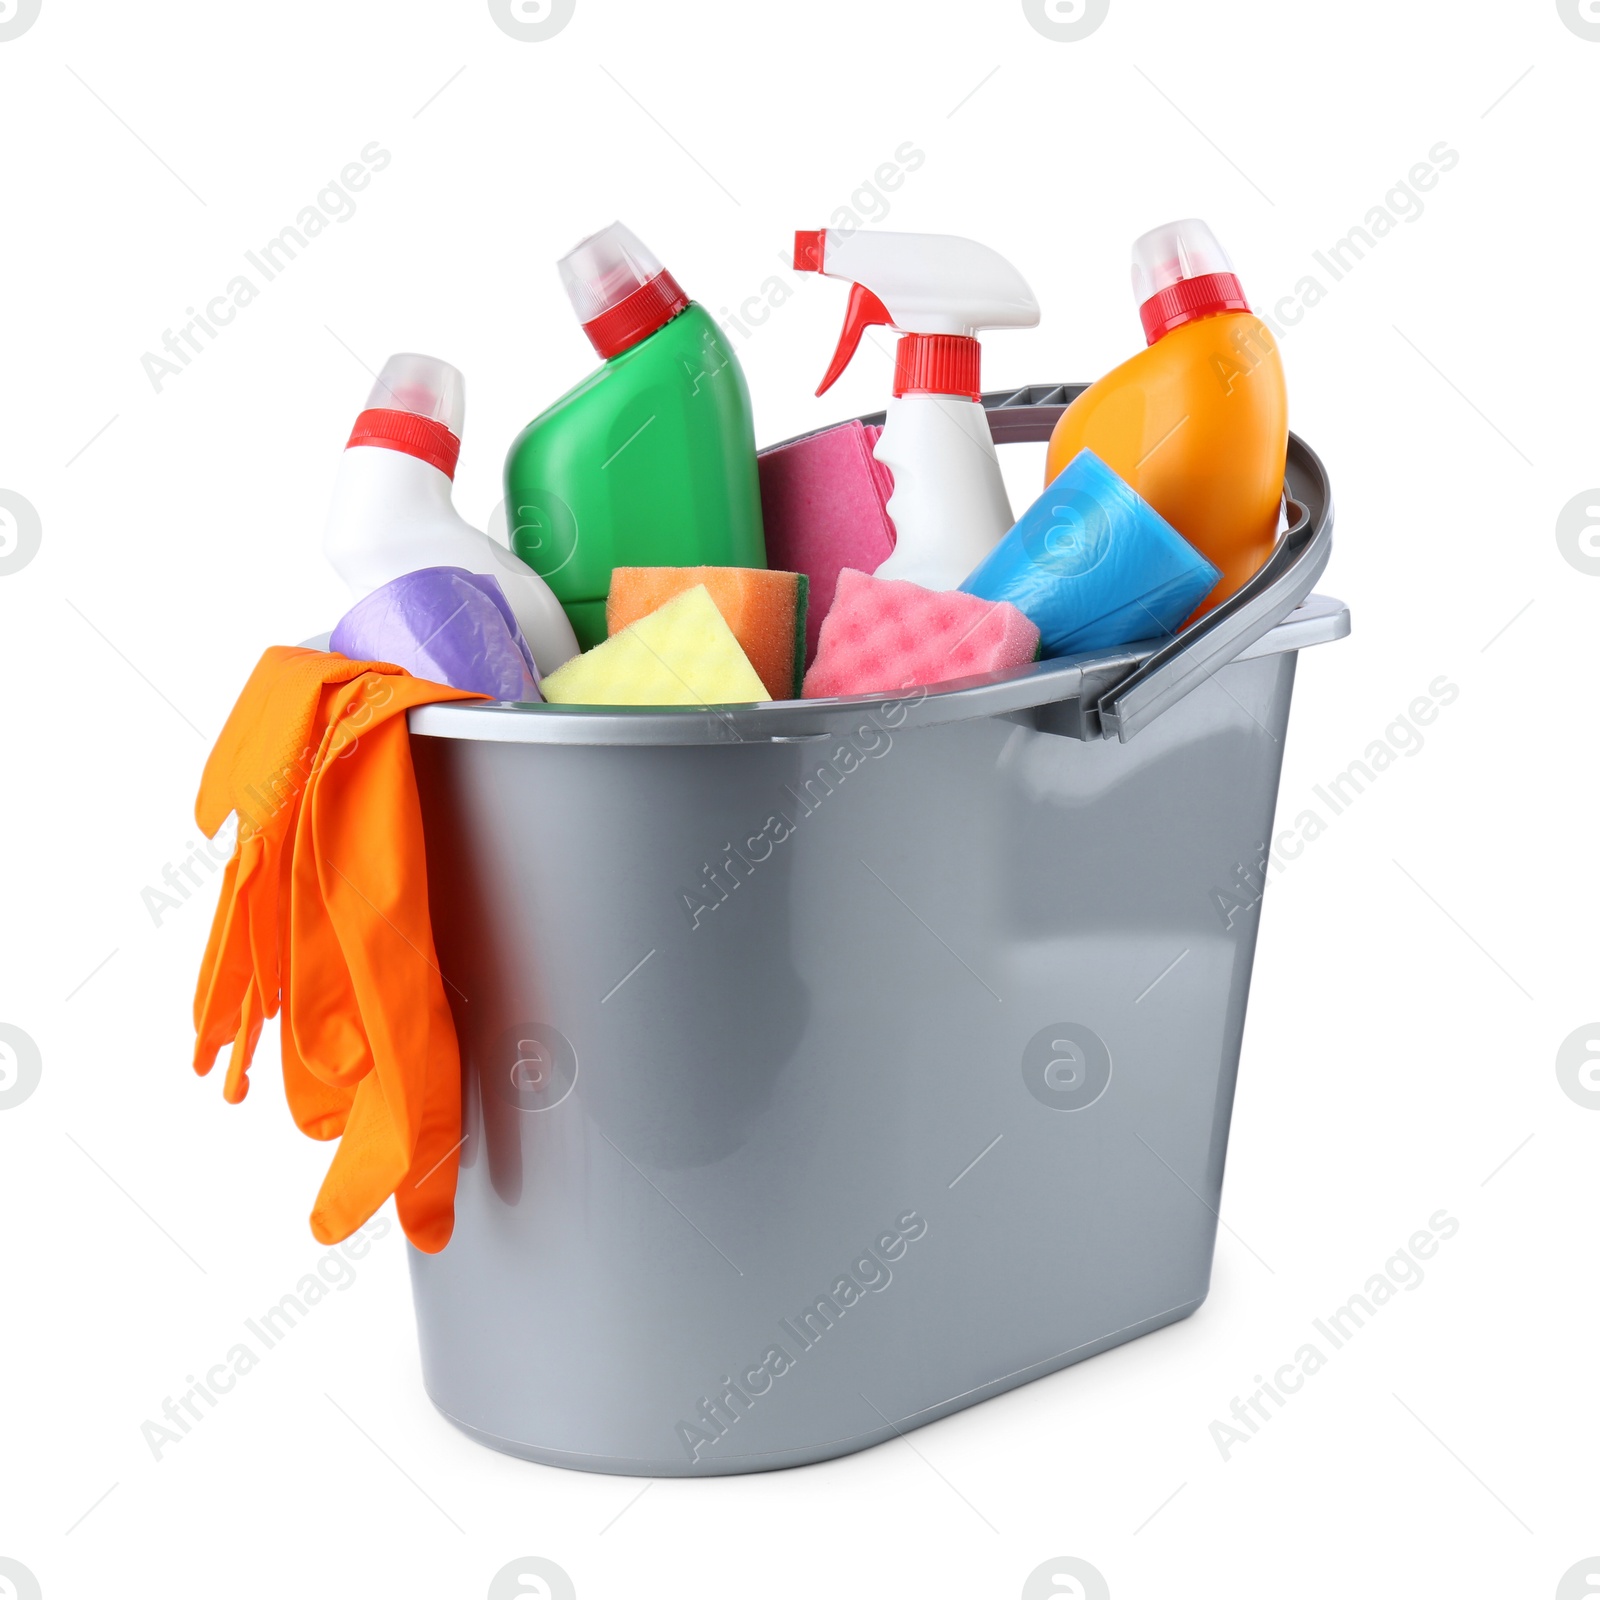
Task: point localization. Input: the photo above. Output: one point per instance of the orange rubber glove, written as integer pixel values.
(325, 907)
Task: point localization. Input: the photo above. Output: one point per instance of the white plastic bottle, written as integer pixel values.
(392, 512)
(949, 505)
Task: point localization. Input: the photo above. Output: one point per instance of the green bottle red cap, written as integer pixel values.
(620, 291)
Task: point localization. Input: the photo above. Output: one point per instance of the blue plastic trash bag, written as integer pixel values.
(1093, 565)
(444, 624)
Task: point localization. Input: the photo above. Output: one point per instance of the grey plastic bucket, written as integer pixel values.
(830, 1066)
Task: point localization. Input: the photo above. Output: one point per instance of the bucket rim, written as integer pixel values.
(1077, 684)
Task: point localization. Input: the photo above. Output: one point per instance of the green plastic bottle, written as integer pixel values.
(650, 461)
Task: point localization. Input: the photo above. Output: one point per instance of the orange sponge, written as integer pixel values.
(765, 610)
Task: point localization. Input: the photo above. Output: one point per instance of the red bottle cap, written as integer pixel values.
(652, 305)
(1180, 274)
(621, 293)
(937, 363)
(417, 407)
(1190, 299)
(411, 435)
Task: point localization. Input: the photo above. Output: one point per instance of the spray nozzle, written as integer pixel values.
(864, 310)
(936, 289)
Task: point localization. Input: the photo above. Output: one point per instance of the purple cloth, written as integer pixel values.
(446, 625)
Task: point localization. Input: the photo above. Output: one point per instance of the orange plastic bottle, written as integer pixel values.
(1198, 423)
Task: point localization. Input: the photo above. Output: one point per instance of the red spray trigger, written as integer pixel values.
(865, 310)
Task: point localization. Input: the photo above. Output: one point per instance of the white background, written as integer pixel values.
(1419, 966)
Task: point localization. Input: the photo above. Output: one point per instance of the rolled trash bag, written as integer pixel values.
(446, 625)
(1093, 565)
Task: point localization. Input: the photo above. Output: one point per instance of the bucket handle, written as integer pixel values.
(1224, 632)
(1188, 659)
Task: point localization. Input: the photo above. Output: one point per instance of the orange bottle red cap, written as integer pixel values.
(1188, 300)
(1180, 274)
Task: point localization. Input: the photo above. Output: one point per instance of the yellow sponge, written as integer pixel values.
(681, 655)
(766, 610)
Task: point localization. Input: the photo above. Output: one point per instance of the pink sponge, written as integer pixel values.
(883, 634)
(822, 507)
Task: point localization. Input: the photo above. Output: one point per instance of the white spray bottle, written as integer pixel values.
(392, 512)
(949, 505)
